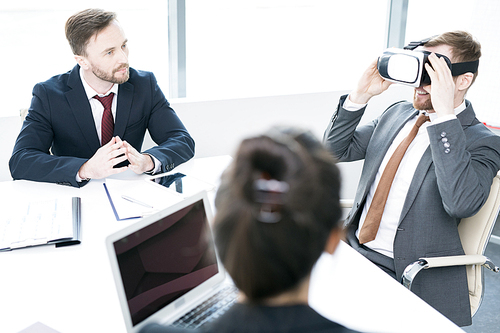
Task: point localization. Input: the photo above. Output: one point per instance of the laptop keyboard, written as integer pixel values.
(210, 309)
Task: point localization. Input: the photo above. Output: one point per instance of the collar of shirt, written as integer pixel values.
(90, 92)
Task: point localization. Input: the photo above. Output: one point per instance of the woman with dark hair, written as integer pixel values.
(278, 209)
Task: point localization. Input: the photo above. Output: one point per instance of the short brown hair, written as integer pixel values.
(83, 25)
(464, 46)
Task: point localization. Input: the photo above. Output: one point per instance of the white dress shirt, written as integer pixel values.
(96, 106)
(384, 241)
(98, 109)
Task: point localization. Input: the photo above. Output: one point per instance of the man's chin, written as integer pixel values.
(121, 76)
(121, 79)
(423, 106)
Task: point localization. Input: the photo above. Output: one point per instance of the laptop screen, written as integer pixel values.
(165, 259)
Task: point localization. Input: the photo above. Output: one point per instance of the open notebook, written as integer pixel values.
(132, 199)
(165, 265)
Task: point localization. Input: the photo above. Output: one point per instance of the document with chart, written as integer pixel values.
(31, 223)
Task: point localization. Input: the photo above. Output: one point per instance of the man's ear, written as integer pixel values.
(333, 240)
(464, 81)
(82, 62)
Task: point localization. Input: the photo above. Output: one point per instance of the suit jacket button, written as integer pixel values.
(443, 134)
(447, 151)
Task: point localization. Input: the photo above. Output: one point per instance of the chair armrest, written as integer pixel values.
(424, 263)
(346, 203)
(411, 271)
(474, 259)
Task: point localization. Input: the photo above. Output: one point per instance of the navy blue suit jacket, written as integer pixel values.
(60, 119)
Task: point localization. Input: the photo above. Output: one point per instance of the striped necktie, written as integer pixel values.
(107, 123)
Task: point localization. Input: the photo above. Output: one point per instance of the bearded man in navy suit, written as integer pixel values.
(61, 140)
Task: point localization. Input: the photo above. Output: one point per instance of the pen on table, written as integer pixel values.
(136, 201)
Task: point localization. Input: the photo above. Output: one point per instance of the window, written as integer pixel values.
(251, 48)
(34, 46)
(235, 49)
(479, 17)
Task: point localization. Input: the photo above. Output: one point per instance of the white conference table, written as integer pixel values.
(71, 289)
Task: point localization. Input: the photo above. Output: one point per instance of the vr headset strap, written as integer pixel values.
(413, 45)
(464, 67)
(456, 68)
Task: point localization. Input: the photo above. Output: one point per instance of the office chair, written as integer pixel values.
(9, 130)
(23, 113)
(475, 232)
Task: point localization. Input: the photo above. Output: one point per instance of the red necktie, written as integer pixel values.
(107, 123)
(370, 227)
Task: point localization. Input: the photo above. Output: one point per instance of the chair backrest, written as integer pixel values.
(9, 130)
(475, 232)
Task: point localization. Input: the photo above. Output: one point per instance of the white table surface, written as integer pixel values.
(71, 289)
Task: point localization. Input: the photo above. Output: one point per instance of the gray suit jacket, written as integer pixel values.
(450, 183)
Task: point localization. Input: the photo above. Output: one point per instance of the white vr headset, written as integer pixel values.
(406, 66)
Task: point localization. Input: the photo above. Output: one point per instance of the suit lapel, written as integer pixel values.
(80, 107)
(466, 118)
(123, 108)
(382, 140)
(388, 132)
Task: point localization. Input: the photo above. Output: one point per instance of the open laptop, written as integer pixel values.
(165, 266)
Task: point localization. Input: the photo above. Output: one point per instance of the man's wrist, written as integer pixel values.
(349, 105)
(153, 168)
(359, 98)
(81, 176)
(79, 179)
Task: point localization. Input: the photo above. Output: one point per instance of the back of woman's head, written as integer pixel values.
(276, 207)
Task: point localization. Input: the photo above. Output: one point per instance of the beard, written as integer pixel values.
(111, 77)
(422, 104)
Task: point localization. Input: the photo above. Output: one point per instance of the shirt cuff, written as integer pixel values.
(442, 119)
(351, 106)
(78, 179)
(157, 166)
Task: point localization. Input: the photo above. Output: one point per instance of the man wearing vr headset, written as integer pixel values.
(445, 174)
